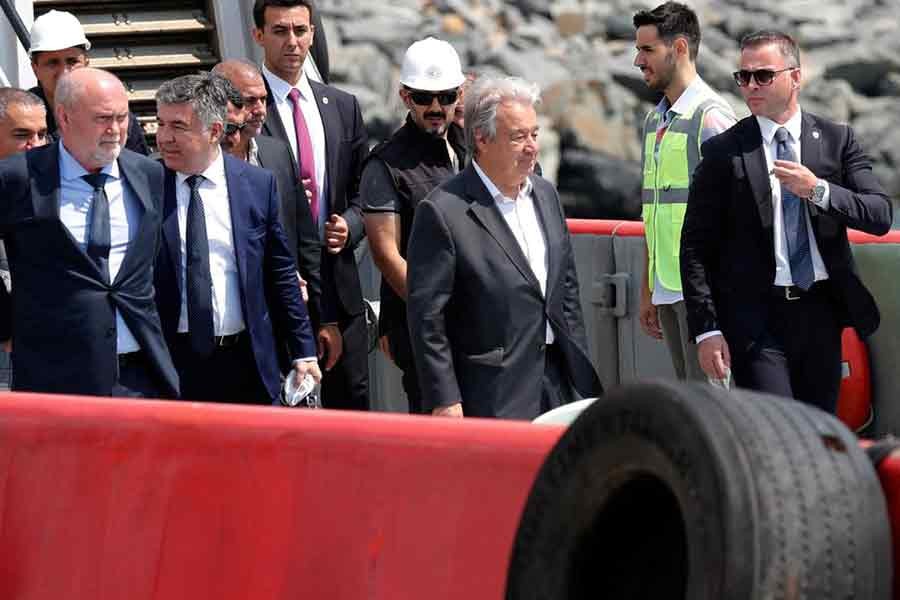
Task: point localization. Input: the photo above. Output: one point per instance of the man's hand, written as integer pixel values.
(303, 292)
(331, 345)
(715, 359)
(302, 367)
(306, 189)
(795, 177)
(454, 410)
(649, 316)
(7, 346)
(385, 346)
(336, 233)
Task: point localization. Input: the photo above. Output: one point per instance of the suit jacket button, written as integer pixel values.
(542, 346)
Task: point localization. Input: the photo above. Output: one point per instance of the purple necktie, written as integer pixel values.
(305, 151)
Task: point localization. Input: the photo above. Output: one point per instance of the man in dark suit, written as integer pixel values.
(325, 130)
(493, 304)
(224, 275)
(81, 223)
(246, 115)
(768, 274)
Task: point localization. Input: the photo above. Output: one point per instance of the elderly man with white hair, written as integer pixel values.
(493, 305)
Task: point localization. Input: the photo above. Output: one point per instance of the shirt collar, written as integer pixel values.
(768, 127)
(688, 97)
(494, 191)
(281, 88)
(214, 173)
(70, 168)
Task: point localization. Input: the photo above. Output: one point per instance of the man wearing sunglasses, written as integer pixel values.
(768, 273)
(399, 173)
(690, 112)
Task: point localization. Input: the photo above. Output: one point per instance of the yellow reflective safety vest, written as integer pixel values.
(667, 177)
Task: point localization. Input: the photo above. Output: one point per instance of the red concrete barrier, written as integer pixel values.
(111, 499)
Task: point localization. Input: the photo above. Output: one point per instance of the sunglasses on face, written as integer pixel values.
(233, 128)
(444, 98)
(762, 76)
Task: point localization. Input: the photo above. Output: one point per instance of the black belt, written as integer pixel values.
(129, 359)
(792, 292)
(221, 341)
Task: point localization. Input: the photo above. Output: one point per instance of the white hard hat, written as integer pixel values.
(431, 65)
(57, 30)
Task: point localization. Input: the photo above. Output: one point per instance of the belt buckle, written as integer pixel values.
(220, 341)
(787, 294)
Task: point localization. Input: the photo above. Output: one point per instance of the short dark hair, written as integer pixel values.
(787, 46)
(673, 20)
(231, 92)
(13, 95)
(260, 6)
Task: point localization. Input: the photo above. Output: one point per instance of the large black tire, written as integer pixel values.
(664, 491)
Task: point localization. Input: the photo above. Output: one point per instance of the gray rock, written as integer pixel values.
(366, 65)
(533, 65)
(598, 186)
(890, 85)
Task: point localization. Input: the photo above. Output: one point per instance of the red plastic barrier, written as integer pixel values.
(108, 499)
(636, 229)
(855, 398)
(889, 474)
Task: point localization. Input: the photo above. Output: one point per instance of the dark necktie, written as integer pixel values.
(98, 233)
(199, 280)
(793, 210)
(306, 159)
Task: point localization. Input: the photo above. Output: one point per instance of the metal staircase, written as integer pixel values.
(145, 43)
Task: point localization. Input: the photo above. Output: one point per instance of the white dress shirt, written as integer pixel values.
(228, 316)
(520, 215)
(280, 90)
(770, 146)
(75, 196)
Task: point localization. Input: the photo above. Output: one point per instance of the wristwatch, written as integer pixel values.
(818, 192)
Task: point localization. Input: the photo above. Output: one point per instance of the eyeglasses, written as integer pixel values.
(762, 76)
(445, 98)
(233, 128)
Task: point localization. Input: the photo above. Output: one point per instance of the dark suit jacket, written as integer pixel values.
(64, 314)
(477, 318)
(727, 243)
(303, 239)
(268, 282)
(345, 148)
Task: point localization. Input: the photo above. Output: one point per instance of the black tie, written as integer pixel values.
(795, 232)
(199, 281)
(98, 234)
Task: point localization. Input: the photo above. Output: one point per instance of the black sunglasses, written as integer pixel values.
(233, 128)
(762, 76)
(444, 98)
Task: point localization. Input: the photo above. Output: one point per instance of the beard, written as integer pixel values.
(107, 153)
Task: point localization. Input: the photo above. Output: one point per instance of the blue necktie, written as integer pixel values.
(793, 210)
(98, 242)
(198, 279)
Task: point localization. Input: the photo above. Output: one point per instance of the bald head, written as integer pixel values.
(92, 112)
(248, 80)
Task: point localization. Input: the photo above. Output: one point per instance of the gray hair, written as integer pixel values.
(483, 98)
(229, 66)
(71, 85)
(207, 93)
(13, 95)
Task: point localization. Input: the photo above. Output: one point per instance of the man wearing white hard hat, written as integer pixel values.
(58, 45)
(399, 173)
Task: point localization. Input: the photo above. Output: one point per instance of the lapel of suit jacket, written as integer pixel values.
(171, 235)
(757, 173)
(331, 124)
(239, 200)
(273, 126)
(136, 179)
(544, 207)
(810, 153)
(485, 210)
(45, 198)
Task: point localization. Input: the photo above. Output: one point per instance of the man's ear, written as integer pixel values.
(216, 132)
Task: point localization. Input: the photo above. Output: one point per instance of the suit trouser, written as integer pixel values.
(799, 353)
(229, 375)
(556, 387)
(346, 385)
(682, 350)
(136, 378)
(401, 349)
